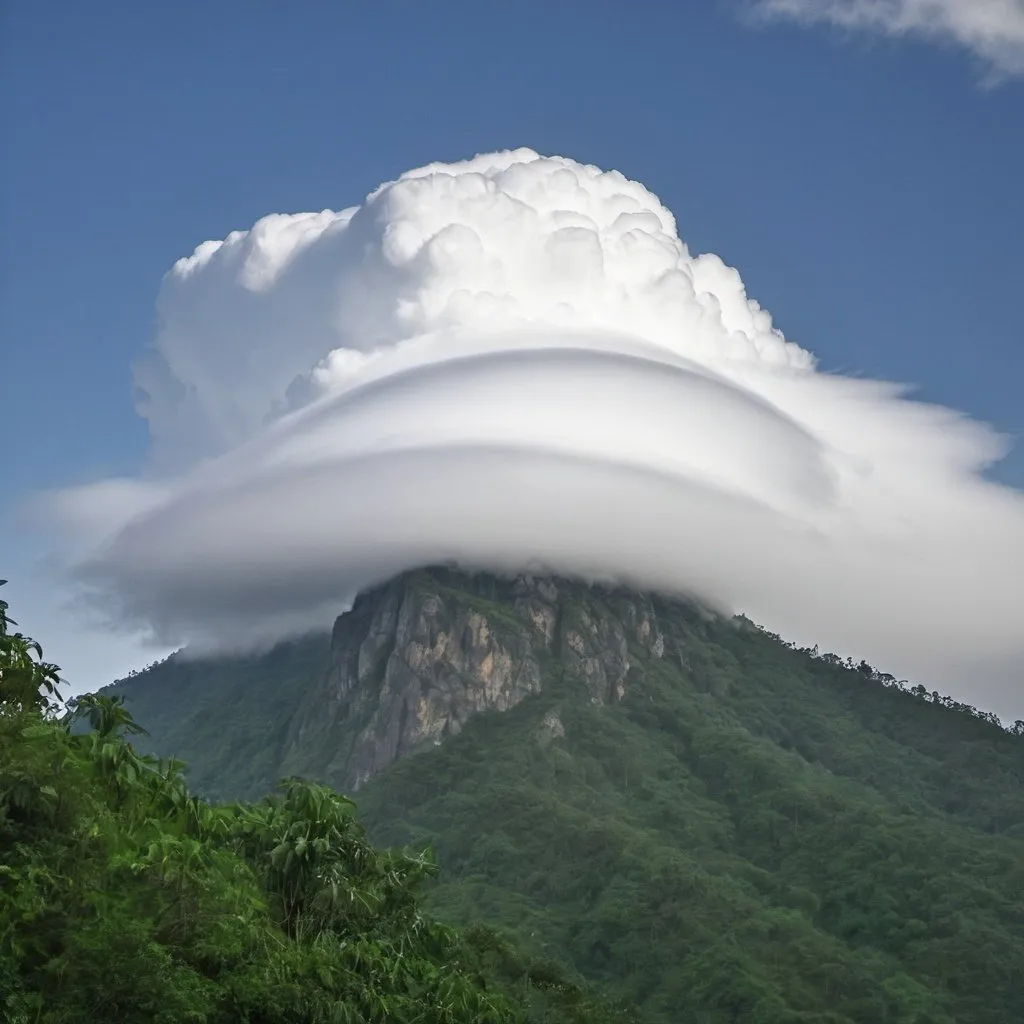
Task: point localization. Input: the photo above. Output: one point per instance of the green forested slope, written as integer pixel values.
(753, 833)
(125, 899)
(225, 716)
(706, 873)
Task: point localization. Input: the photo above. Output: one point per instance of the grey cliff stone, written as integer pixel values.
(416, 658)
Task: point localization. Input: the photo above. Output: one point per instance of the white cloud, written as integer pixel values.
(992, 30)
(514, 362)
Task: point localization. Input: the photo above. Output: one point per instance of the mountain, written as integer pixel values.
(699, 818)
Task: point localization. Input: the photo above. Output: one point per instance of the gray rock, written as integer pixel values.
(415, 659)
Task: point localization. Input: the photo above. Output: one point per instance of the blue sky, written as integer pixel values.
(868, 188)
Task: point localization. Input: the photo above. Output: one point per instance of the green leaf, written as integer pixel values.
(33, 732)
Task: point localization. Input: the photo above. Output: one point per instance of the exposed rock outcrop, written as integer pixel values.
(416, 658)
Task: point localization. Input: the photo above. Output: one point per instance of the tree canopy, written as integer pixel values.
(124, 897)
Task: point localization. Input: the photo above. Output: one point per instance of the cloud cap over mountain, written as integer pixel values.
(514, 362)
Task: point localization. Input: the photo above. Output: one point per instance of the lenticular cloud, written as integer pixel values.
(516, 364)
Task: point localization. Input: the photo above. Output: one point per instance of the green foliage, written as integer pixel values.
(185, 698)
(125, 898)
(26, 681)
(754, 833)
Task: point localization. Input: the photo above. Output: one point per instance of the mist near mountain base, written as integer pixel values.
(514, 363)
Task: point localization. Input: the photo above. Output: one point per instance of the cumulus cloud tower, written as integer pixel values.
(255, 324)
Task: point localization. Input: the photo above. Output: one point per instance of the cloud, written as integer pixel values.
(992, 30)
(516, 364)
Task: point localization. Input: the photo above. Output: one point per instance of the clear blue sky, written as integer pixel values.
(870, 193)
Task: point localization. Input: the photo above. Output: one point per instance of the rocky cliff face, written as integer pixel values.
(415, 659)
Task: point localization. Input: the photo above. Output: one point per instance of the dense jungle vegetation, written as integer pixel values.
(125, 899)
(755, 833)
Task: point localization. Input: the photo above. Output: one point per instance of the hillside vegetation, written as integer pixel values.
(124, 898)
(704, 872)
(751, 833)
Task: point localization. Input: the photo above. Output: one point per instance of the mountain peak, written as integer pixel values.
(416, 658)
(703, 819)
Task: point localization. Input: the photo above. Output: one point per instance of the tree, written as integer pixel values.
(124, 897)
(25, 679)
